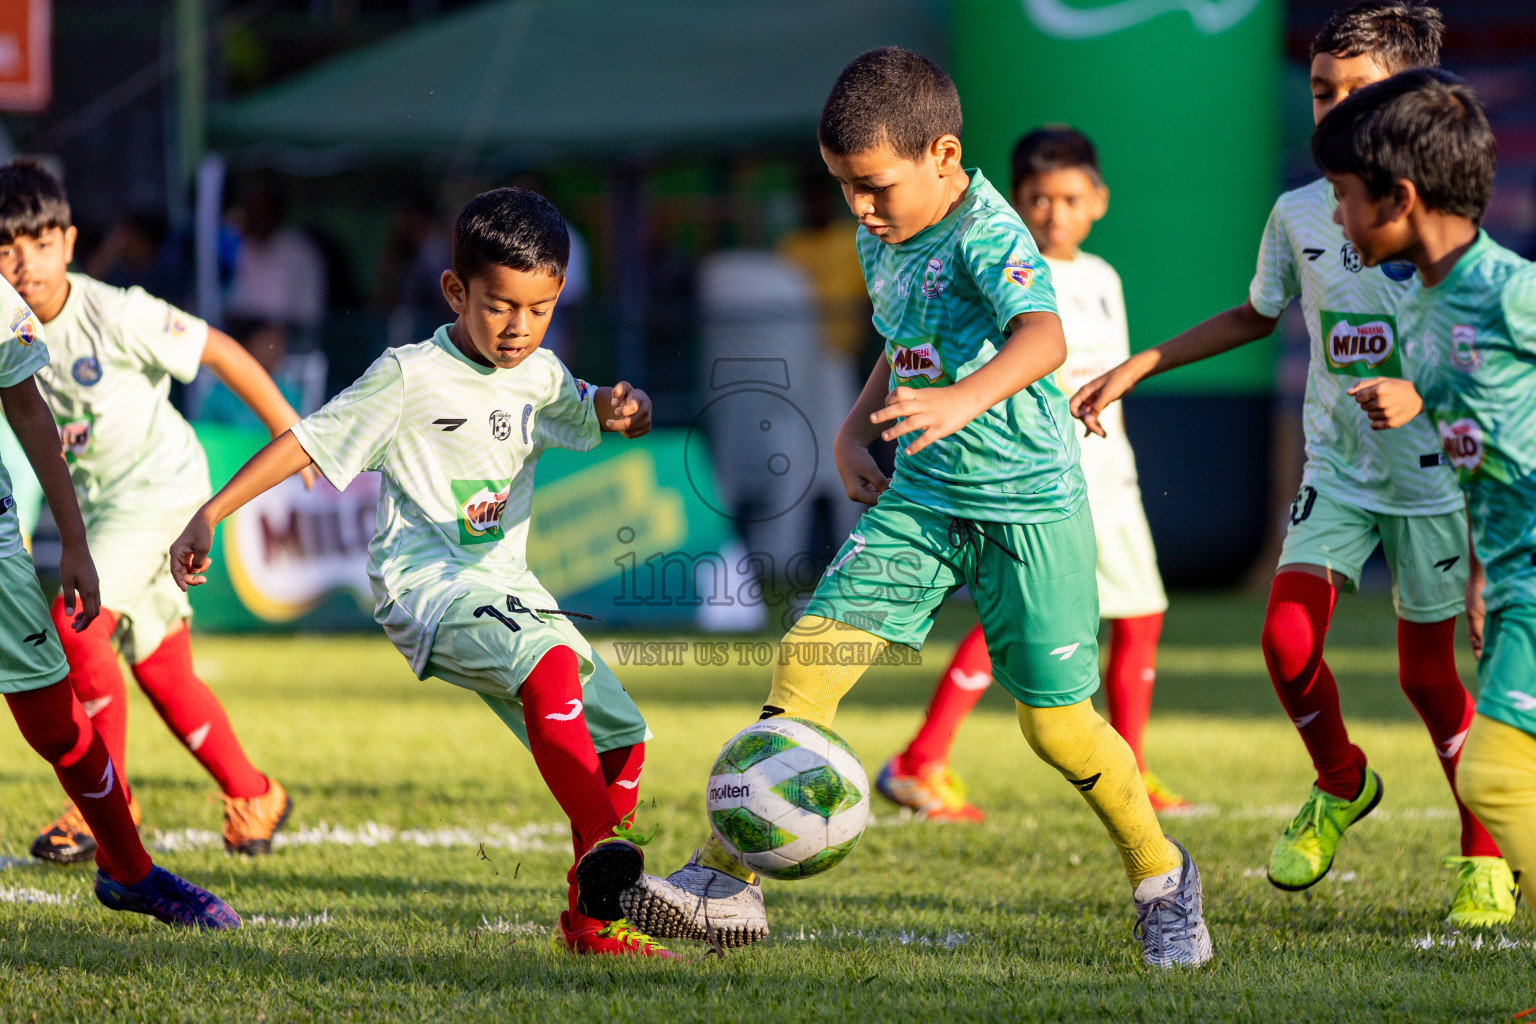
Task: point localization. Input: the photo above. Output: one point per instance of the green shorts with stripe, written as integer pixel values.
(490, 640)
(30, 655)
(1506, 673)
(1034, 586)
(1427, 554)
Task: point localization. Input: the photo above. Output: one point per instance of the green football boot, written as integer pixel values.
(1486, 894)
(1303, 855)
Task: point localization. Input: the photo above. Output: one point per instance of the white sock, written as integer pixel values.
(1158, 885)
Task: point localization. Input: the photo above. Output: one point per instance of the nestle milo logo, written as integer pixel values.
(1361, 344)
(910, 361)
(1463, 443)
(729, 791)
(481, 504)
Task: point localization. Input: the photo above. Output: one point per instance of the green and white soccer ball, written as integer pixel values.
(788, 798)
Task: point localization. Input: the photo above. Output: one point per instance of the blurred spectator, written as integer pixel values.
(410, 273)
(825, 249)
(279, 273)
(136, 251)
(565, 328)
(300, 376)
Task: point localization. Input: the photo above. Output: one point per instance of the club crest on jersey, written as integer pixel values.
(917, 361)
(481, 503)
(1398, 270)
(1350, 257)
(23, 327)
(1464, 354)
(583, 389)
(1361, 344)
(501, 425)
(86, 371)
(1019, 272)
(527, 415)
(1463, 443)
(933, 285)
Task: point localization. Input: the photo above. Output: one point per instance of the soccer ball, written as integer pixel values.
(787, 798)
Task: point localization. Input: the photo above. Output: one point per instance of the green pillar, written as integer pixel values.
(1181, 98)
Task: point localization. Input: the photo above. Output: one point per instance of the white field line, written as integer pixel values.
(294, 921)
(1490, 943)
(878, 937)
(537, 837)
(502, 926)
(23, 894)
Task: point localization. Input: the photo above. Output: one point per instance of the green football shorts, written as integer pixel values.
(492, 652)
(1033, 584)
(1427, 554)
(30, 655)
(1506, 673)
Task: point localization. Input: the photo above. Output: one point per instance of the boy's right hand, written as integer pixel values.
(1092, 398)
(77, 576)
(862, 478)
(189, 553)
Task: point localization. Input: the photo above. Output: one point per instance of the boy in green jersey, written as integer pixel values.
(1412, 160)
(455, 426)
(986, 493)
(1360, 488)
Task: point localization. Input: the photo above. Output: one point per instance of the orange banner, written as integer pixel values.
(26, 79)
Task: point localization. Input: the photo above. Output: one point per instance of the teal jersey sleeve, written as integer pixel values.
(22, 352)
(1275, 281)
(1519, 303)
(569, 418)
(353, 431)
(1007, 268)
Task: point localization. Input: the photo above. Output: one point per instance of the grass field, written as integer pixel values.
(424, 865)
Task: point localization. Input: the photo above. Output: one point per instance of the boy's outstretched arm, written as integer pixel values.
(239, 371)
(1035, 348)
(623, 409)
(1223, 332)
(32, 422)
(861, 475)
(279, 460)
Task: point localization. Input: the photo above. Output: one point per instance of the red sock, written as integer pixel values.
(621, 773)
(57, 727)
(1300, 606)
(1426, 668)
(1132, 671)
(97, 679)
(195, 715)
(562, 748)
(961, 686)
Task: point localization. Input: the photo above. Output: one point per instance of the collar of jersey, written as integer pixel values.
(941, 226)
(1474, 253)
(446, 344)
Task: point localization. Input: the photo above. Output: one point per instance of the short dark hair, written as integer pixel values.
(891, 97)
(1425, 125)
(31, 200)
(510, 227)
(1054, 147)
(1398, 34)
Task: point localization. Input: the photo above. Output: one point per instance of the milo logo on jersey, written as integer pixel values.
(916, 362)
(1463, 443)
(481, 503)
(1361, 344)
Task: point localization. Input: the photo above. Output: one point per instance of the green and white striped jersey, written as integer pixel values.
(1351, 313)
(456, 444)
(115, 351)
(22, 355)
(1473, 342)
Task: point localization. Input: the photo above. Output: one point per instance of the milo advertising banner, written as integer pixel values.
(1180, 97)
(602, 520)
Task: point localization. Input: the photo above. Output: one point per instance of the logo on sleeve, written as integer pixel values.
(527, 415)
(175, 323)
(1361, 344)
(933, 285)
(1463, 443)
(86, 371)
(481, 503)
(1464, 354)
(23, 327)
(1019, 272)
(583, 389)
(917, 361)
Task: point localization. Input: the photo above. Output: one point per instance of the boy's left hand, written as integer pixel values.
(937, 412)
(1388, 401)
(628, 410)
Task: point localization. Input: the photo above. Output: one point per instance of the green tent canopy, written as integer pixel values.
(599, 77)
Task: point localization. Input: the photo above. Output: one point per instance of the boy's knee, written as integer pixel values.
(1291, 647)
(1059, 735)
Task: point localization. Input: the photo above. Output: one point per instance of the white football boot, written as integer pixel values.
(698, 902)
(1171, 924)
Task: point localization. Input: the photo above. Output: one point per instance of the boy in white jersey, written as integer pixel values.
(1359, 488)
(138, 472)
(455, 426)
(33, 673)
(1059, 193)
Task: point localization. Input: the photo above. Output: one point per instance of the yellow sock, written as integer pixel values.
(819, 661)
(1078, 743)
(1497, 780)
